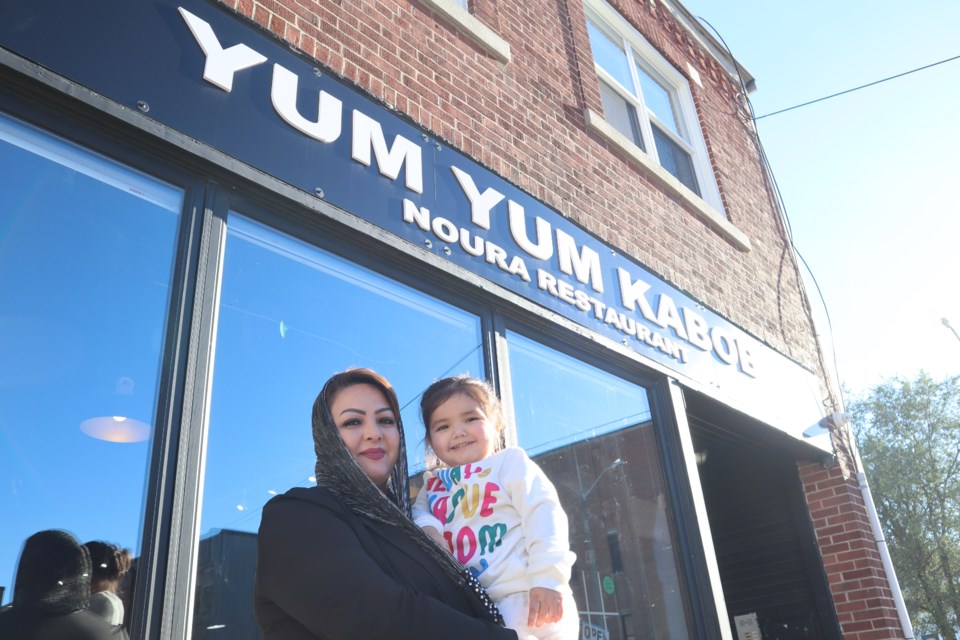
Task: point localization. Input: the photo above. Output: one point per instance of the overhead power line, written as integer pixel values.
(863, 86)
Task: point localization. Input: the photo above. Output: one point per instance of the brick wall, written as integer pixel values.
(864, 602)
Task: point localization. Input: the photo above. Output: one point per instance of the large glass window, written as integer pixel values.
(593, 434)
(647, 100)
(86, 260)
(290, 315)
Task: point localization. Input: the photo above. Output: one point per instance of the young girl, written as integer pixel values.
(496, 511)
(110, 563)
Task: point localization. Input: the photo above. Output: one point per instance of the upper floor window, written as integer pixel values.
(648, 101)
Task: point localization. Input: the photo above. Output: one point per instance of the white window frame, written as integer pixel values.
(708, 205)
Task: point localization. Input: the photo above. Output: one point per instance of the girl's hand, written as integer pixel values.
(546, 606)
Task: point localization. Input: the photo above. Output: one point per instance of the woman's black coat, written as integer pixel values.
(79, 625)
(324, 572)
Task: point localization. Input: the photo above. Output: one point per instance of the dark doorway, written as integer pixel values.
(763, 538)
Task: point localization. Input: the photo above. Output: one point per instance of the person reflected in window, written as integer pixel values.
(110, 563)
(496, 511)
(51, 592)
(343, 559)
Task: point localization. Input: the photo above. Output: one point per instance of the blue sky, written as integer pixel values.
(870, 178)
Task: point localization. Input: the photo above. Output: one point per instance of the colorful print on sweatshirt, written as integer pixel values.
(501, 518)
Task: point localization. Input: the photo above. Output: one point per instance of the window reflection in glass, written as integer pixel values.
(659, 100)
(86, 259)
(609, 54)
(593, 435)
(675, 160)
(621, 113)
(291, 315)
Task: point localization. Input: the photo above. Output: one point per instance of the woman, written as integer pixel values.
(51, 590)
(343, 559)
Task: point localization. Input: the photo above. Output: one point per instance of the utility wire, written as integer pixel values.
(863, 86)
(780, 208)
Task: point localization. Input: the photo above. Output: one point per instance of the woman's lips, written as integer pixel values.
(373, 454)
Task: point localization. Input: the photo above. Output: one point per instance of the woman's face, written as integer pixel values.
(368, 426)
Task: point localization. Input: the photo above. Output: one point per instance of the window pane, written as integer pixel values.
(290, 316)
(621, 114)
(86, 259)
(659, 100)
(610, 55)
(675, 160)
(593, 435)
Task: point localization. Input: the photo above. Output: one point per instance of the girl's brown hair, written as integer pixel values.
(109, 563)
(444, 389)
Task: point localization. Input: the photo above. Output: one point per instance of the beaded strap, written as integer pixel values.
(492, 611)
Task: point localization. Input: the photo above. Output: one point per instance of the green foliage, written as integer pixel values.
(909, 438)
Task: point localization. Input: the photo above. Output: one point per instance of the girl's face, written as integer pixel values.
(461, 432)
(368, 427)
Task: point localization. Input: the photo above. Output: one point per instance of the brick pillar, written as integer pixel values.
(861, 593)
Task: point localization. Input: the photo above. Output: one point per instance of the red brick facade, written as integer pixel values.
(525, 121)
(854, 569)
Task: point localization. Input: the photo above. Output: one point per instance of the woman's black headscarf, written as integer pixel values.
(338, 471)
(53, 575)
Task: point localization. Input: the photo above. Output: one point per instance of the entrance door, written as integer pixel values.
(762, 534)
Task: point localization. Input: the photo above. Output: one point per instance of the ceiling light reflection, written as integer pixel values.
(116, 429)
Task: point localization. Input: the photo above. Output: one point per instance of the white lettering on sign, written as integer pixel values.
(480, 203)
(659, 324)
(368, 134)
(688, 326)
(581, 262)
(585, 265)
(618, 320)
(542, 249)
(697, 329)
(593, 632)
(221, 63)
(475, 246)
(283, 94)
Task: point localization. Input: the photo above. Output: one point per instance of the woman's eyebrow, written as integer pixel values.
(352, 410)
(381, 410)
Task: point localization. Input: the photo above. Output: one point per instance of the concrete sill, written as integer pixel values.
(693, 202)
(465, 23)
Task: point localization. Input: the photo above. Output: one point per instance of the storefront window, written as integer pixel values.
(86, 259)
(593, 435)
(290, 315)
